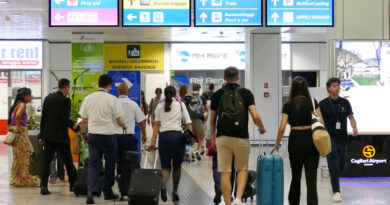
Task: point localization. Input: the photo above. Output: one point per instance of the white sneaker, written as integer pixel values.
(337, 197)
(237, 202)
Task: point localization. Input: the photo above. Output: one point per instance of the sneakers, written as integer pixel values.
(164, 196)
(175, 197)
(198, 157)
(337, 197)
(237, 202)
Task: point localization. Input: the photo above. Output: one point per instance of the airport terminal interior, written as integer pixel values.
(150, 44)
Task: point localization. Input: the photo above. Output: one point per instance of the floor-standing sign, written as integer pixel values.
(87, 66)
(133, 80)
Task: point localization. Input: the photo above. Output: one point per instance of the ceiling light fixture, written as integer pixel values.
(16, 14)
(3, 2)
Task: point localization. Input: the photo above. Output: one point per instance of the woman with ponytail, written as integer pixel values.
(171, 146)
(21, 152)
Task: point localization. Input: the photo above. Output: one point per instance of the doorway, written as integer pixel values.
(10, 82)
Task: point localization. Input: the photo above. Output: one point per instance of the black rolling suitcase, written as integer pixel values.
(131, 161)
(145, 185)
(81, 184)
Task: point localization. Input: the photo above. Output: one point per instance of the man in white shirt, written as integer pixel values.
(131, 113)
(102, 112)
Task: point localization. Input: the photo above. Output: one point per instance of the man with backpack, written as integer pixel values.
(229, 110)
(197, 107)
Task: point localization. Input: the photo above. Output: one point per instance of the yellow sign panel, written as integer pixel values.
(156, 4)
(133, 56)
(369, 151)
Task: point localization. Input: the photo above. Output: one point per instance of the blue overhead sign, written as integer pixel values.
(156, 13)
(300, 13)
(228, 13)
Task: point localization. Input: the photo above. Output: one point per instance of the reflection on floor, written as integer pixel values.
(197, 187)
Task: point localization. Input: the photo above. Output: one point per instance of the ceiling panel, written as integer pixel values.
(28, 19)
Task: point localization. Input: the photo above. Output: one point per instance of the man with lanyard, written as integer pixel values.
(102, 112)
(335, 111)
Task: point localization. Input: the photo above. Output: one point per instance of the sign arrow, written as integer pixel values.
(203, 16)
(275, 2)
(59, 1)
(127, 81)
(203, 2)
(131, 17)
(58, 17)
(275, 16)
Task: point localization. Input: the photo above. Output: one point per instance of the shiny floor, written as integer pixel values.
(197, 186)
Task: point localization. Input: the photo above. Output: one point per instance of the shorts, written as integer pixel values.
(171, 148)
(227, 147)
(198, 128)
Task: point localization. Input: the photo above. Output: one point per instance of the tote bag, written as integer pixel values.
(321, 137)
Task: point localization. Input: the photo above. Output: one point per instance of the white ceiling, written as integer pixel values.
(28, 19)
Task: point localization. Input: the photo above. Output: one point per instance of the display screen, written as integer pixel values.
(228, 12)
(368, 156)
(21, 55)
(364, 69)
(84, 13)
(299, 13)
(156, 13)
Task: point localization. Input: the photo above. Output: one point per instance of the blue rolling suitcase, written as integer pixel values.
(270, 180)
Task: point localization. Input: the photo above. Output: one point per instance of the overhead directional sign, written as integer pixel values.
(228, 12)
(300, 13)
(156, 13)
(84, 13)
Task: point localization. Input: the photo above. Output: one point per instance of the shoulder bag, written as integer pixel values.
(189, 137)
(12, 137)
(321, 137)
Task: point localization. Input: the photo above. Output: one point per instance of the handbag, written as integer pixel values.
(76, 145)
(321, 137)
(189, 137)
(11, 138)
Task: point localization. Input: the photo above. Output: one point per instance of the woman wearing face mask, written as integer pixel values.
(21, 152)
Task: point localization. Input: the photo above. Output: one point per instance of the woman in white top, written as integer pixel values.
(171, 146)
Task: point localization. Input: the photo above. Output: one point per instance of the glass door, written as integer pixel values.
(32, 80)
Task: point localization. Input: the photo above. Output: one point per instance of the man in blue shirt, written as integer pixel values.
(335, 111)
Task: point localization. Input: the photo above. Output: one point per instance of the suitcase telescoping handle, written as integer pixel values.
(155, 157)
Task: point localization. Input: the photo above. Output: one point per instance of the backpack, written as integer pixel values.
(195, 107)
(231, 111)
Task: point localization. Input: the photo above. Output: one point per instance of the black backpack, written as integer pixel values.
(231, 111)
(195, 107)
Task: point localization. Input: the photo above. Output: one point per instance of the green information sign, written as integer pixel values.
(87, 66)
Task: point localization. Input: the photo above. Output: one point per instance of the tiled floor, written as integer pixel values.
(196, 187)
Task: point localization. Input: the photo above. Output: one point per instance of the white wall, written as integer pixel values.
(265, 67)
(60, 63)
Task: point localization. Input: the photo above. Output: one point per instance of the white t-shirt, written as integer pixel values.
(171, 121)
(101, 109)
(131, 113)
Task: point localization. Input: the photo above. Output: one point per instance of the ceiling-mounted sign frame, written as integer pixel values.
(21, 55)
(299, 13)
(149, 13)
(228, 13)
(83, 13)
